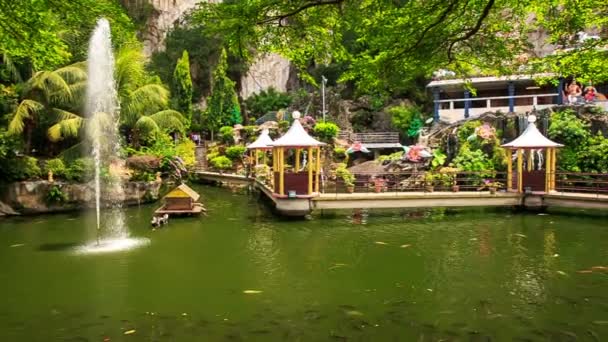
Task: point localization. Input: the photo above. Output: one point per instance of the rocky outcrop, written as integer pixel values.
(269, 70)
(32, 197)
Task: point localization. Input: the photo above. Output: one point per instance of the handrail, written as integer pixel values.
(496, 98)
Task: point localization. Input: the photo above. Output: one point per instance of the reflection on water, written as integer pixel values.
(411, 275)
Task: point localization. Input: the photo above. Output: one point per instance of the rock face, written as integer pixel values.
(165, 13)
(30, 197)
(270, 70)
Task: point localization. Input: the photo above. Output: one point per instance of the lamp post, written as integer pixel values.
(323, 82)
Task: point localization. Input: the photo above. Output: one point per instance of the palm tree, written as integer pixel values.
(48, 95)
(143, 103)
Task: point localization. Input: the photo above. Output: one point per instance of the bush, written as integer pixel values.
(347, 177)
(55, 195)
(567, 129)
(267, 101)
(235, 152)
(339, 152)
(403, 116)
(143, 176)
(23, 168)
(283, 126)
(221, 162)
(226, 134)
(326, 130)
(186, 151)
(56, 166)
(391, 157)
(81, 170)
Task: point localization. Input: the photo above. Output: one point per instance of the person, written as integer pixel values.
(574, 91)
(590, 93)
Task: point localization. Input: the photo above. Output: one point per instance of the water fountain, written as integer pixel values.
(103, 112)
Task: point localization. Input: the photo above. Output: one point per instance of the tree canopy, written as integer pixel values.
(387, 44)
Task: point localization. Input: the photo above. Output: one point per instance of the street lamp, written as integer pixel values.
(323, 82)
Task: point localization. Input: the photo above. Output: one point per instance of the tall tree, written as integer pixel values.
(222, 105)
(182, 86)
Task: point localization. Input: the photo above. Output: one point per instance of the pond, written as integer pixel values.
(242, 274)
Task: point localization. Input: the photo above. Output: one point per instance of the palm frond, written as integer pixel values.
(51, 85)
(69, 128)
(129, 70)
(169, 120)
(12, 68)
(72, 73)
(73, 152)
(26, 110)
(146, 99)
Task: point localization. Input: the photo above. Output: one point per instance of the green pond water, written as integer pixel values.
(406, 276)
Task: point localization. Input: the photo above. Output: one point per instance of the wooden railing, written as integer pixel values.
(594, 183)
(418, 181)
(371, 138)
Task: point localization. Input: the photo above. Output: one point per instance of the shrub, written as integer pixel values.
(267, 101)
(326, 130)
(221, 162)
(235, 152)
(567, 129)
(143, 162)
(339, 152)
(55, 195)
(23, 168)
(143, 176)
(346, 176)
(402, 116)
(283, 126)
(80, 170)
(56, 166)
(390, 157)
(186, 151)
(248, 133)
(226, 134)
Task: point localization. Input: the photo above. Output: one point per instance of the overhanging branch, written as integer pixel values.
(280, 17)
(473, 31)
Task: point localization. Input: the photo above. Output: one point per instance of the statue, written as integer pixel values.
(50, 176)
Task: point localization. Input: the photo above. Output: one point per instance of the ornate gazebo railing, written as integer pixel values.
(419, 181)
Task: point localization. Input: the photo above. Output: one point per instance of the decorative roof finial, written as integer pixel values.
(295, 114)
(531, 118)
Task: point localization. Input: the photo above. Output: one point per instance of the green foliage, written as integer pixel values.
(346, 176)
(390, 157)
(47, 34)
(567, 129)
(222, 105)
(339, 153)
(594, 158)
(55, 195)
(326, 131)
(182, 86)
(467, 130)
(221, 163)
(402, 116)
(415, 127)
(226, 134)
(80, 170)
(21, 168)
(143, 176)
(235, 152)
(185, 149)
(267, 101)
(283, 126)
(438, 159)
(476, 160)
(56, 166)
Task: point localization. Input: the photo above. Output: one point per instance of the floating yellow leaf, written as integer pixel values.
(380, 243)
(561, 272)
(129, 332)
(252, 291)
(405, 246)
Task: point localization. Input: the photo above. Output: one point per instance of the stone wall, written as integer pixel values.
(30, 197)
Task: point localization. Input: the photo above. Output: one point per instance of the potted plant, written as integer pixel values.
(491, 185)
(347, 177)
(448, 177)
(429, 181)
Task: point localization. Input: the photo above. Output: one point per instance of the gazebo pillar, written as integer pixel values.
(310, 167)
(297, 160)
(553, 168)
(520, 170)
(281, 151)
(318, 169)
(510, 170)
(548, 155)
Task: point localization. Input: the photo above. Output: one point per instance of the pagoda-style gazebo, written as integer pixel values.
(262, 143)
(301, 178)
(529, 146)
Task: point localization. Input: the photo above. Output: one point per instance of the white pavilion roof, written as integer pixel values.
(263, 141)
(296, 136)
(532, 138)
